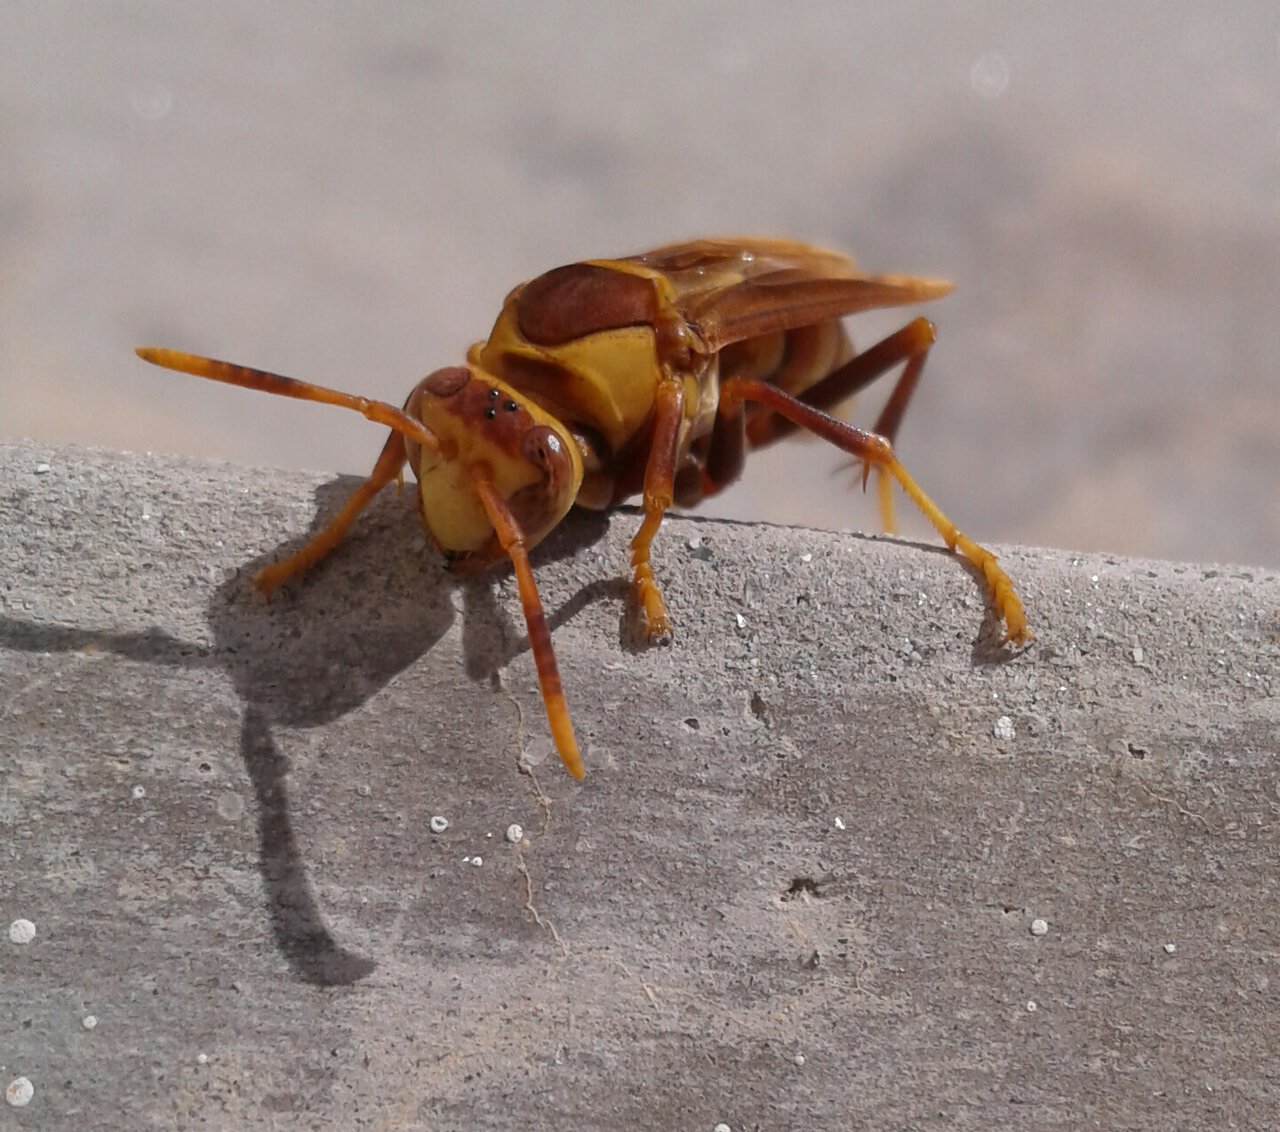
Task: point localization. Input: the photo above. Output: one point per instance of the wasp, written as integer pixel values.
(654, 375)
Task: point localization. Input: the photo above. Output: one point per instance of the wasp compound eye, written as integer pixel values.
(543, 446)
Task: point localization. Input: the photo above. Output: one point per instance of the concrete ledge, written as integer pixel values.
(799, 888)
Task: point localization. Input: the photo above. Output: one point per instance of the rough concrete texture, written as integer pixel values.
(799, 887)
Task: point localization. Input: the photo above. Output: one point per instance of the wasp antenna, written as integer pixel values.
(247, 378)
(927, 289)
(511, 537)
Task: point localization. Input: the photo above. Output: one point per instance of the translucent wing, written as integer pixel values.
(732, 289)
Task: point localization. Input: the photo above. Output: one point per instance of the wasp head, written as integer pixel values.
(486, 429)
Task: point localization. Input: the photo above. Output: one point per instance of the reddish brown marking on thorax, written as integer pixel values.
(583, 298)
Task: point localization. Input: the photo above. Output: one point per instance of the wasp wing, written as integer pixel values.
(731, 289)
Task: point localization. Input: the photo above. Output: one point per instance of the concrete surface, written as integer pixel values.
(799, 887)
(346, 192)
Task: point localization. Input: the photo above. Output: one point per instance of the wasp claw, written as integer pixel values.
(660, 633)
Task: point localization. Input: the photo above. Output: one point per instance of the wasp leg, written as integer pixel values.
(876, 452)
(659, 487)
(388, 468)
(507, 528)
(910, 344)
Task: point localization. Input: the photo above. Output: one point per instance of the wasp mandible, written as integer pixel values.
(653, 375)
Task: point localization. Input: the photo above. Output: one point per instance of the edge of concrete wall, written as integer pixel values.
(838, 859)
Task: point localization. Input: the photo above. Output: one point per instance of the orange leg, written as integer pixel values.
(876, 452)
(544, 658)
(387, 468)
(911, 344)
(659, 487)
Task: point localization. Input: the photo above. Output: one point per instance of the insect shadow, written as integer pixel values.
(312, 654)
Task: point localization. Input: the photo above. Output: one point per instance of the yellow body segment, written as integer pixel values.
(608, 379)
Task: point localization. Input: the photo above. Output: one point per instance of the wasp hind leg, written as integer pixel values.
(876, 452)
(911, 344)
(659, 489)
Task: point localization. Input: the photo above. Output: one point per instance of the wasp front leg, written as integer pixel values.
(512, 539)
(389, 467)
(659, 489)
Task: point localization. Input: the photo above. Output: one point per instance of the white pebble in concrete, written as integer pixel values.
(19, 1092)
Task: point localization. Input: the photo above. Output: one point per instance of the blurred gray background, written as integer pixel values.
(346, 193)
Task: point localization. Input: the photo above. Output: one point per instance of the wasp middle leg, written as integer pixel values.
(659, 489)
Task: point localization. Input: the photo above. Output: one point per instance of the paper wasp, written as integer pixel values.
(653, 375)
